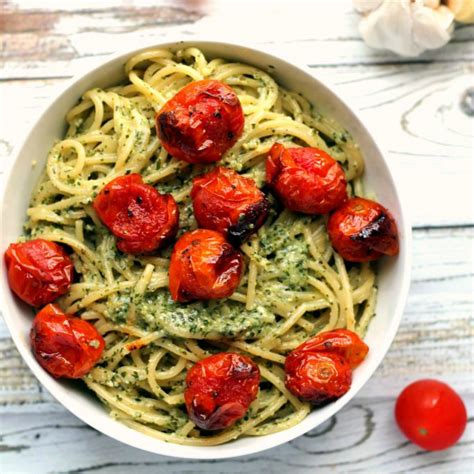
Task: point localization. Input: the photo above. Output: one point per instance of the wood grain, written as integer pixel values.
(361, 438)
(66, 41)
(412, 105)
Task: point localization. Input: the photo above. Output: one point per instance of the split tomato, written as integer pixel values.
(361, 230)
(320, 369)
(139, 216)
(203, 266)
(65, 346)
(305, 179)
(39, 271)
(220, 389)
(201, 122)
(338, 341)
(229, 203)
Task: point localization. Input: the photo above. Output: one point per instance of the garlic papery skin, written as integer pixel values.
(364, 6)
(432, 3)
(406, 27)
(432, 28)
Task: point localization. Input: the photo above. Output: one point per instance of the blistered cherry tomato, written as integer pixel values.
(201, 122)
(317, 377)
(431, 414)
(203, 266)
(305, 180)
(220, 389)
(361, 230)
(65, 346)
(139, 216)
(339, 341)
(229, 203)
(38, 271)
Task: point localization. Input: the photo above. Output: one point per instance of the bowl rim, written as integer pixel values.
(208, 452)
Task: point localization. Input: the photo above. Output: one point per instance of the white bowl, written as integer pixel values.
(393, 276)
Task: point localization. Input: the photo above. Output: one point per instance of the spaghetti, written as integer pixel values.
(294, 285)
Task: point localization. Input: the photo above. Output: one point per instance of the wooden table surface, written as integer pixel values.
(417, 107)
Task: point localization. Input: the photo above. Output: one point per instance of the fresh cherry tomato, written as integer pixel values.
(38, 271)
(305, 180)
(220, 389)
(203, 266)
(201, 122)
(65, 346)
(339, 341)
(361, 230)
(137, 214)
(229, 203)
(431, 414)
(317, 377)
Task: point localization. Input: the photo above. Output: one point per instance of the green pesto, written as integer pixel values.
(201, 320)
(287, 254)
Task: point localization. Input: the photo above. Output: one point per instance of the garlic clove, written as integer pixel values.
(390, 27)
(430, 27)
(445, 17)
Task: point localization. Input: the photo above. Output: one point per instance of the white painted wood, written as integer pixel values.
(323, 32)
(361, 438)
(413, 105)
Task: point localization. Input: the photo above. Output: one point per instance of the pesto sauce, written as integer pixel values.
(282, 249)
(287, 253)
(200, 320)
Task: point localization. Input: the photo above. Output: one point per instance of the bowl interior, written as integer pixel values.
(393, 276)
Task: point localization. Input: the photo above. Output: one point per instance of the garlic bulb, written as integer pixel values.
(406, 27)
(366, 5)
(463, 10)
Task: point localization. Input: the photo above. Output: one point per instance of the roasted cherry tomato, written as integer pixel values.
(137, 214)
(220, 389)
(229, 203)
(203, 266)
(431, 414)
(306, 180)
(339, 341)
(201, 122)
(38, 271)
(65, 346)
(362, 230)
(317, 377)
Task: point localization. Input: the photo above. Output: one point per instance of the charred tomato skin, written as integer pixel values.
(362, 230)
(317, 377)
(305, 179)
(220, 389)
(342, 342)
(39, 271)
(141, 218)
(229, 203)
(65, 346)
(201, 122)
(204, 266)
